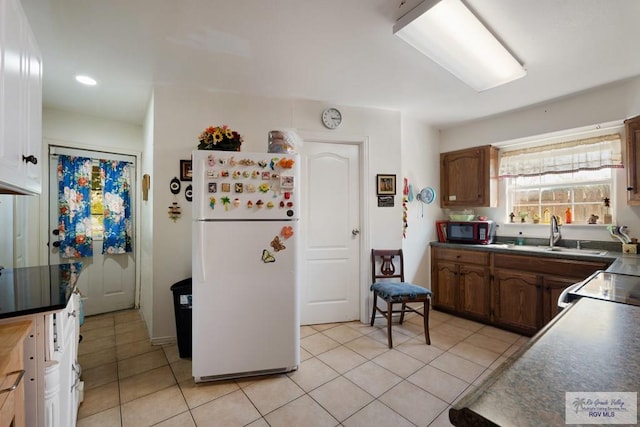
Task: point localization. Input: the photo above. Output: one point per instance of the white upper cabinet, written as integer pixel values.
(20, 103)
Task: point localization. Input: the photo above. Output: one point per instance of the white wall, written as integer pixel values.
(89, 131)
(146, 222)
(180, 114)
(614, 102)
(420, 160)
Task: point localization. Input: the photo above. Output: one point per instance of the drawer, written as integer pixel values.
(462, 255)
(546, 266)
(12, 337)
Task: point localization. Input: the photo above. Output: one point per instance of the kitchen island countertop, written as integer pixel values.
(576, 352)
(31, 290)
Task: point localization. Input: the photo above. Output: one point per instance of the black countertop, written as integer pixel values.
(32, 290)
(593, 346)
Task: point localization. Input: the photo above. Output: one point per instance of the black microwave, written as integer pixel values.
(476, 232)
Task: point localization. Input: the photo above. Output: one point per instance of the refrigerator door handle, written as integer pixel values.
(201, 253)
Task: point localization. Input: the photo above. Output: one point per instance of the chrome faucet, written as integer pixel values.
(554, 236)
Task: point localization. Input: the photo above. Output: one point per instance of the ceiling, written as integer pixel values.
(336, 51)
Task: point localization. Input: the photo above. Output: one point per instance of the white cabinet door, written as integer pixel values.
(61, 375)
(20, 102)
(10, 92)
(33, 124)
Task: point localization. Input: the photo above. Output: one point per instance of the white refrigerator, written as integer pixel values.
(245, 271)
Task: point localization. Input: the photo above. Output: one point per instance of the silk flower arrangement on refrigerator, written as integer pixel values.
(220, 138)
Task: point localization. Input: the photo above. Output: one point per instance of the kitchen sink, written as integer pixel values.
(575, 250)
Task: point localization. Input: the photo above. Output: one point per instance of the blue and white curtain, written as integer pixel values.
(116, 189)
(74, 207)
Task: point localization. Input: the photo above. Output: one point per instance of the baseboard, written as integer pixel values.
(163, 340)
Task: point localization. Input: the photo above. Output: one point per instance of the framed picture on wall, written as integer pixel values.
(385, 201)
(186, 174)
(386, 185)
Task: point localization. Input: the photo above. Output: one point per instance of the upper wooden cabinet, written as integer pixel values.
(468, 178)
(632, 129)
(20, 103)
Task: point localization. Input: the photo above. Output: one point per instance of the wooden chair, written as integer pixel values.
(389, 285)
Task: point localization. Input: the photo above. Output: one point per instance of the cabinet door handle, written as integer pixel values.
(629, 188)
(72, 314)
(30, 159)
(16, 382)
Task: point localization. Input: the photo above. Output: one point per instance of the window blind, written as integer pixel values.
(571, 156)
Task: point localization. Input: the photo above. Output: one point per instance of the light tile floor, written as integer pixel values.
(347, 376)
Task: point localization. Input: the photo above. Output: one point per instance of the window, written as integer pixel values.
(586, 193)
(547, 180)
(97, 209)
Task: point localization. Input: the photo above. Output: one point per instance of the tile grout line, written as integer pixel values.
(511, 348)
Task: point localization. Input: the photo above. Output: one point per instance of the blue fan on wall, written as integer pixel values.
(426, 196)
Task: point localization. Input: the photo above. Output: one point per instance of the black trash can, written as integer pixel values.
(182, 306)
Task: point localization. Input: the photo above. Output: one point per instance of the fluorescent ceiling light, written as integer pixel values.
(448, 33)
(86, 80)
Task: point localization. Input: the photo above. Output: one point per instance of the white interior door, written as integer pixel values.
(330, 284)
(107, 282)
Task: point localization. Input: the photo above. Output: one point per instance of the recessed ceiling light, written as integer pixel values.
(86, 80)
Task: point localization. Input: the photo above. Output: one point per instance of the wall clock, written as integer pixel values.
(331, 118)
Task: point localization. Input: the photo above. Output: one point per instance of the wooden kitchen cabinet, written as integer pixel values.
(12, 399)
(445, 288)
(460, 282)
(552, 287)
(516, 300)
(474, 298)
(632, 130)
(526, 288)
(511, 291)
(21, 163)
(468, 178)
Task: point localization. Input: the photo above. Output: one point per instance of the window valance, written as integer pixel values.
(583, 154)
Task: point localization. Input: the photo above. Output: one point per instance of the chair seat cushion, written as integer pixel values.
(399, 290)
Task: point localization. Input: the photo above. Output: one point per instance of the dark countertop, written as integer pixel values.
(31, 290)
(592, 346)
(576, 352)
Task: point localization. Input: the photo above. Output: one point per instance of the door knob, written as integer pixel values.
(355, 231)
(55, 232)
(56, 244)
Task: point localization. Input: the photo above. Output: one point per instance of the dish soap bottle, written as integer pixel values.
(567, 216)
(520, 239)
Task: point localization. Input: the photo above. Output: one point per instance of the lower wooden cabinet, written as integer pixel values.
(514, 292)
(461, 285)
(475, 293)
(445, 285)
(516, 300)
(552, 287)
